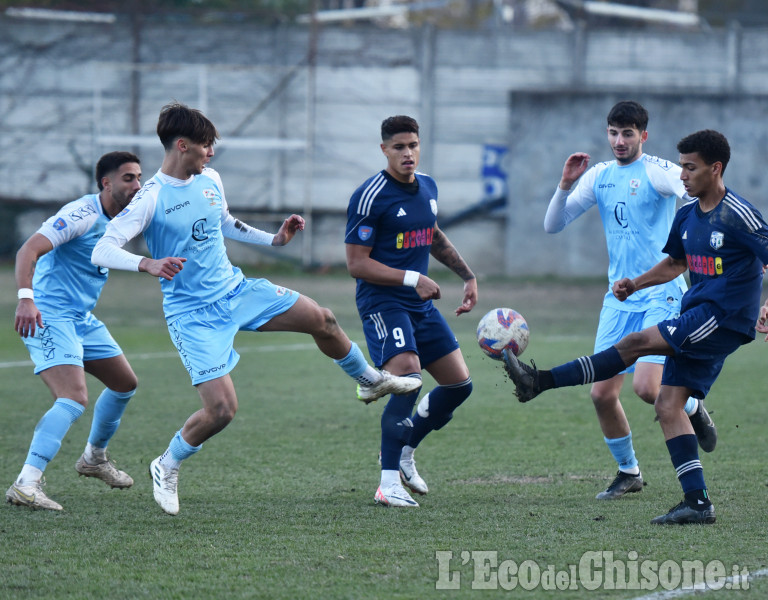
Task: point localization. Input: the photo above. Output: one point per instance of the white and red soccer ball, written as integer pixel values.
(502, 328)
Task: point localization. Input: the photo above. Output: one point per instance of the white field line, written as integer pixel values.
(729, 583)
(173, 354)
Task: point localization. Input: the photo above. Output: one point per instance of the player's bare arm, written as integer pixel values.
(361, 266)
(664, 271)
(290, 227)
(445, 252)
(575, 166)
(166, 268)
(28, 316)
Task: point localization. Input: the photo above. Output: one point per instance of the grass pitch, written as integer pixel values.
(280, 504)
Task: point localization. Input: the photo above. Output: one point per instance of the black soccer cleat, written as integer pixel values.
(704, 427)
(624, 483)
(525, 378)
(683, 514)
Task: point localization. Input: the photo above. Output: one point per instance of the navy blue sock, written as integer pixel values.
(588, 369)
(684, 452)
(396, 426)
(436, 409)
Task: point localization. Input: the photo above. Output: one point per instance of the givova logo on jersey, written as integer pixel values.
(414, 239)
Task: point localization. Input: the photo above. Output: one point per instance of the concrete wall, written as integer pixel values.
(69, 92)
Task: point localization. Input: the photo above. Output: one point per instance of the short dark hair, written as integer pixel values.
(178, 120)
(711, 145)
(628, 113)
(391, 126)
(112, 161)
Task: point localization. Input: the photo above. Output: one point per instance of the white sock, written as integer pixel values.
(94, 455)
(389, 477)
(29, 475)
(691, 401)
(369, 377)
(631, 471)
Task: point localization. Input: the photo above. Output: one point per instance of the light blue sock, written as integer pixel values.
(354, 363)
(107, 412)
(623, 452)
(177, 451)
(50, 430)
(691, 405)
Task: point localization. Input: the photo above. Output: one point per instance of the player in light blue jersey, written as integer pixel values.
(58, 288)
(182, 212)
(391, 233)
(636, 195)
(722, 241)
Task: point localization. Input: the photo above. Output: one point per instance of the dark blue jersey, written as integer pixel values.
(726, 249)
(396, 221)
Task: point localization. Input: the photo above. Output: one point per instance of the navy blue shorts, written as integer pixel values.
(392, 332)
(701, 348)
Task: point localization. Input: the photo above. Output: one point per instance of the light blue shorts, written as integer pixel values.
(70, 343)
(615, 324)
(204, 337)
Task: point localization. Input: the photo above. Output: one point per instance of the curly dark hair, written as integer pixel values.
(711, 145)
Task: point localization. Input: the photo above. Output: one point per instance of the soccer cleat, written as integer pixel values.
(624, 483)
(388, 384)
(165, 483)
(704, 427)
(683, 514)
(30, 495)
(106, 471)
(525, 378)
(411, 478)
(394, 495)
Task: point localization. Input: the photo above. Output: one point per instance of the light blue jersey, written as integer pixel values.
(637, 207)
(184, 218)
(67, 284)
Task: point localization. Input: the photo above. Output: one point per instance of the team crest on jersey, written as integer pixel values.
(633, 185)
(211, 195)
(123, 212)
(433, 205)
(59, 224)
(364, 232)
(716, 240)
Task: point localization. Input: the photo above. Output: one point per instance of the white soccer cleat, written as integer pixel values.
(411, 478)
(388, 384)
(106, 471)
(165, 483)
(394, 495)
(30, 495)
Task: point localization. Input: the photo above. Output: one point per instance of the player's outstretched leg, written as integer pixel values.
(525, 378)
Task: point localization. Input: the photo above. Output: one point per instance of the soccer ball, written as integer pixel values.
(502, 328)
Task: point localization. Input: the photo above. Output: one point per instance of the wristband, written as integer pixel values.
(26, 293)
(411, 278)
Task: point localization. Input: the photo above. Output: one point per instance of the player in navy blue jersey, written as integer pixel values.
(58, 288)
(722, 240)
(391, 233)
(636, 195)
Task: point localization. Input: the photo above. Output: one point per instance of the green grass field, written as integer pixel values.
(280, 504)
